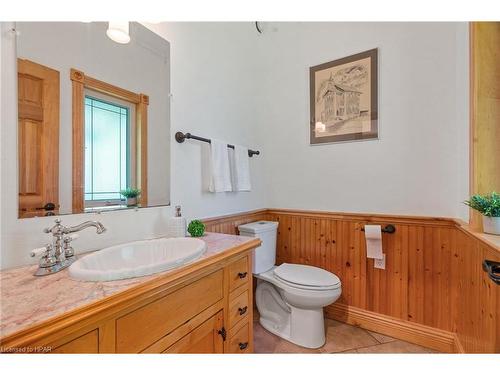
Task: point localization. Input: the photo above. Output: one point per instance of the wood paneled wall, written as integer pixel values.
(433, 276)
(476, 299)
(229, 224)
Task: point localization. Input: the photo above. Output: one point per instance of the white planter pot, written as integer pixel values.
(131, 201)
(491, 225)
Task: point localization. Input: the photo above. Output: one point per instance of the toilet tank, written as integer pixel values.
(264, 256)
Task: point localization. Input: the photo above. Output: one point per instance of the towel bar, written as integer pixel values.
(181, 137)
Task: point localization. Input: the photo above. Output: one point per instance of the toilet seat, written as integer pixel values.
(306, 277)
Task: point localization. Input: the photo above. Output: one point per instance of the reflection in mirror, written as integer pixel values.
(93, 118)
(109, 148)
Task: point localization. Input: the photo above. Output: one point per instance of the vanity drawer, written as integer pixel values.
(239, 342)
(142, 327)
(239, 273)
(85, 344)
(239, 306)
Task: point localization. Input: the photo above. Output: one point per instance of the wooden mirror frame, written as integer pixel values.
(80, 82)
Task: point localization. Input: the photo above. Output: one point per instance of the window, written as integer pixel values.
(108, 140)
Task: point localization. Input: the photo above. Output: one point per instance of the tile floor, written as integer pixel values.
(340, 338)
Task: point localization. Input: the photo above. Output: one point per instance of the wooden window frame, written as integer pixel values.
(80, 81)
(483, 124)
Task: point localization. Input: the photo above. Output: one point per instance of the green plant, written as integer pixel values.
(196, 228)
(130, 193)
(488, 204)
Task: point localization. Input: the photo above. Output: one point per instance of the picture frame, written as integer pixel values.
(344, 99)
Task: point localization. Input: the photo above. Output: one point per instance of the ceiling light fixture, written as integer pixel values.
(118, 32)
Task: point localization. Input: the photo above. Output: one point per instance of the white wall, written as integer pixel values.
(216, 88)
(419, 166)
(213, 86)
(229, 82)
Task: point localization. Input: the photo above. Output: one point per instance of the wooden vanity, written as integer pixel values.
(203, 307)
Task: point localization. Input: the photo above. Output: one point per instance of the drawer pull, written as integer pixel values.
(242, 275)
(242, 310)
(243, 345)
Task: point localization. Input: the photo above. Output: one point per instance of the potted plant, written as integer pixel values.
(196, 228)
(131, 195)
(489, 206)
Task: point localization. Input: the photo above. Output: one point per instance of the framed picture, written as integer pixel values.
(344, 100)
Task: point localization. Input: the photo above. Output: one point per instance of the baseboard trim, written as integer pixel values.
(415, 333)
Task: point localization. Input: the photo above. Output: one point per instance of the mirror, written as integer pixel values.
(93, 117)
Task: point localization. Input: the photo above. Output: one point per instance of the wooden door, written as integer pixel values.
(38, 137)
(203, 339)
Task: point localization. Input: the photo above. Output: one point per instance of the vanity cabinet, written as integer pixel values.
(200, 309)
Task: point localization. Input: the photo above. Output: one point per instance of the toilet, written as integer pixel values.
(290, 297)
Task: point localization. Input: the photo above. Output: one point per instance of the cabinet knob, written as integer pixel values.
(243, 345)
(242, 310)
(242, 275)
(223, 333)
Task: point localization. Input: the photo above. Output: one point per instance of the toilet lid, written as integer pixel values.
(310, 276)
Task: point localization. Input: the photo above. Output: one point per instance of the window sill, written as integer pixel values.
(109, 208)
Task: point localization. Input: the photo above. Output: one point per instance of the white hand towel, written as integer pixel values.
(240, 169)
(220, 179)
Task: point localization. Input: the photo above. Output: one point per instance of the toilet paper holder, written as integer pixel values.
(389, 228)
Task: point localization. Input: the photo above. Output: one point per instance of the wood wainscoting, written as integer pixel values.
(433, 291)
(228, 224)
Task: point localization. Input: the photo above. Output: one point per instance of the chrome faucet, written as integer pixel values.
(59, 254)
(87, 224)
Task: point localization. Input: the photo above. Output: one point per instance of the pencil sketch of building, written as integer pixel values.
(340, 102)
(343, 98)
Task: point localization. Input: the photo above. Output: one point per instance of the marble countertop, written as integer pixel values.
(27, 300)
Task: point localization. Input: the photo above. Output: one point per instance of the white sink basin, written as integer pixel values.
(137, 258)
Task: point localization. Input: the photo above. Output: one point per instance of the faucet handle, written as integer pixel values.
(68, 249)
(40, 251)
(56, 226)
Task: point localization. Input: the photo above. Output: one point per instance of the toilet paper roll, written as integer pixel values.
(373, 236)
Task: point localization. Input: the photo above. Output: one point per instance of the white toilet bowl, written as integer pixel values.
(291, 302)
(290, 298)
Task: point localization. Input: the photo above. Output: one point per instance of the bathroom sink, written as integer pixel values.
(138, 258)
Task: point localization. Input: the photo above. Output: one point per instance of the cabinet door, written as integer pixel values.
(139, 329)
(88, 343)
(203, 339)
